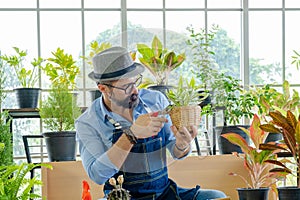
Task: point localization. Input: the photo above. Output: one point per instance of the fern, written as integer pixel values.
(14, 183)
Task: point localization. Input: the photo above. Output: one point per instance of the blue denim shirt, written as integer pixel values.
(95, 133)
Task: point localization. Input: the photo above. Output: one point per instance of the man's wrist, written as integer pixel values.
(130, 136)
(183, 149)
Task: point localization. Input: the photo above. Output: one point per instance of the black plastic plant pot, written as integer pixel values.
(253, 194)
(95, 94)
(288, 193)
(61, 146)
(226, 147)
(27, 97)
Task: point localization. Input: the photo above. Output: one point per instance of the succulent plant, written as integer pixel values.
(118, 193)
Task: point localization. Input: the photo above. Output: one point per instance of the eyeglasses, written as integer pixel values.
(129, 87)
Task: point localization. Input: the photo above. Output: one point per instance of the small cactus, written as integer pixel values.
(118, 193)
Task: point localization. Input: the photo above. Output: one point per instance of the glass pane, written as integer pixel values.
(60, 3)
(185, 4)
(292, 43)
(22, 33)
(102, 4)
(224, 4)
(227, 42)
(265, 44)
(17, 4)
(177, 36)
(144, 4)
(10, 101)
(97, 27)
(21, 127)
(149, 22)
(63, 30)
(265, 3)
(179, 20)
(292, 3)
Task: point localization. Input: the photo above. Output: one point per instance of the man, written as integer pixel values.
(120, 134)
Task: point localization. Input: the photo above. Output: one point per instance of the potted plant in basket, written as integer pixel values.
(289, 126)
(185, 98)
(28, 95)
(95, 48)
(257, 162)
(160, 62)
(60, 109)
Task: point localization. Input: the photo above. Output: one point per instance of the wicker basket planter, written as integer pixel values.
(186, 116)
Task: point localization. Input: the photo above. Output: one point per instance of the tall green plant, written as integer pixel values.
(60, 109)
(27, 76)
(6, 156)
(203, 55)
(225, 90)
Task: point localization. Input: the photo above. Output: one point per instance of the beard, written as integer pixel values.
(128, 103)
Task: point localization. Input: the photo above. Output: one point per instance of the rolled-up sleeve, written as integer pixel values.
(93, 149)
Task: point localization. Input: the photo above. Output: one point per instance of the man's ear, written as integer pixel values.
(102, 88)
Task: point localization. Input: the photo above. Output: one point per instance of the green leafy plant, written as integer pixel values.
(6, 156)
(62, 69)
(203, 55)
(14, 183)
(257, 162)
(186, 93)
(185, 98)
(236, 101)
(95, 48)
(289, 126)
(296, 59)
(60, 109)
(269, 99)
(27, 76)
(225, 90)
(158, 60)
(264, 97)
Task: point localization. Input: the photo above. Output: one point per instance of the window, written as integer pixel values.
(265, 34)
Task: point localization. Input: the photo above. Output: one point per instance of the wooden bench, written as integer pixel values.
(64, 182)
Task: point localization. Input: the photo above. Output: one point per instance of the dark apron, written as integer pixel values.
(145, 171)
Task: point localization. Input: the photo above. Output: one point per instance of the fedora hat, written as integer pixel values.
(113, 64)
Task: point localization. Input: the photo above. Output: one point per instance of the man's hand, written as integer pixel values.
(184, 137)
(147, 125)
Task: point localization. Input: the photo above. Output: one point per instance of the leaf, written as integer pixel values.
(278, 163)
(271, 147)
(237, 140)
(269, 128)
(157, 47)
(291, 119)
(297, 133)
